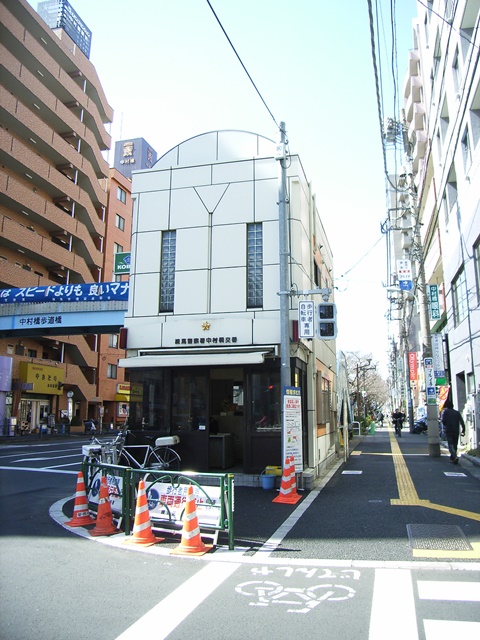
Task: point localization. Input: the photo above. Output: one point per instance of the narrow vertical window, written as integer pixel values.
(460, 298)
(167, 271)
(121, 195)
(254, 265)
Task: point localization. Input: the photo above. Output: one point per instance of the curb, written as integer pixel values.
(471, 459)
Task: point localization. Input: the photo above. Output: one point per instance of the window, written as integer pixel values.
(323, 400)
(117, 248)
(32, 353)
(167, 270)
(121, 195)
(466, 151)
(460, 297)
(476, 263)
(475, 117)
(112, 371)
(451, 189)
(120, 222)
(254, 265)
(456, 72)
(113, 340)
(265, 401)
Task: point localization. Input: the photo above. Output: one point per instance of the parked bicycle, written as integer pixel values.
(161, 457)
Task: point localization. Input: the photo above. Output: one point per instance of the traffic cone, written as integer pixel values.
(142, 527)
(288, 486)
(104, 525)
(81, 514)
(191, 543)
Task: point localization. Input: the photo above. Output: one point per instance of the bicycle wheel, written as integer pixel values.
(164, 458)
(123, 461)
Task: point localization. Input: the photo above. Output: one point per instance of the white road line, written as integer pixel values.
(393, 604)
(160, 621)
(448, 629)
(37, 470)
(445, 590)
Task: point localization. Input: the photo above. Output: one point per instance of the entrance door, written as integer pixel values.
(190, 417)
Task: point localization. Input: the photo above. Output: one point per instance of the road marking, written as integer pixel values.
(449, 590)
(448, 629)
(408, 494)
(160, 621)
(37, 470)
(393, 604)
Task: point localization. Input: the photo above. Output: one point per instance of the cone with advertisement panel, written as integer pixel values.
(142, 527)
(191, 543)
(104, 525)
(81, 514)
(288, 486)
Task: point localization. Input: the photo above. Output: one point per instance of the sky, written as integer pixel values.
(170, 73)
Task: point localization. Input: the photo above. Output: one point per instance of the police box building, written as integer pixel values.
(203, 321)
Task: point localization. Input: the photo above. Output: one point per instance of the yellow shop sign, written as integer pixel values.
(38, 378)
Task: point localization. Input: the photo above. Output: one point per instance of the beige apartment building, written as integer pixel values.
(53, 199)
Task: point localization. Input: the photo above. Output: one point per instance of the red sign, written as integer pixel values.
(413, 365)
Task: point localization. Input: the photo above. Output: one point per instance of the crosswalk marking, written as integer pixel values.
(391, 587)
(448, 629)
(445, 590)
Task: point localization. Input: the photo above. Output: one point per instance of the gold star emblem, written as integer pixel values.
(206, 326)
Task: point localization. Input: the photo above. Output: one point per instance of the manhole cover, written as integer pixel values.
(437, 537)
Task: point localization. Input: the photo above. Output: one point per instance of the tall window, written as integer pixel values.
(117, 248)
(254, 265)
(460, 301)
(167, 270)
(113, 340)
(466, 151)
(121, 195)
(119, 222)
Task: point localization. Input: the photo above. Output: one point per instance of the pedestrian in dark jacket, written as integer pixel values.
(452, 421)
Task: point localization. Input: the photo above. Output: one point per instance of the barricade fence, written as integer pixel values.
(166, 496)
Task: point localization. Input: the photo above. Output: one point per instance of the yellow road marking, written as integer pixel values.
(440, 553)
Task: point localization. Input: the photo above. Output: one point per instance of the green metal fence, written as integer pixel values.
(214, 494)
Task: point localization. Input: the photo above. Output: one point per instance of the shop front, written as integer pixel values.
(41, 385)
(227, 417)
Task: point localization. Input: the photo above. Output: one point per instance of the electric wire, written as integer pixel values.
(241, 62)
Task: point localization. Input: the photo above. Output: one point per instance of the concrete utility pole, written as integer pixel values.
(285, 292)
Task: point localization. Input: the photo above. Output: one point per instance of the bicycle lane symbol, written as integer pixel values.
(297, 599)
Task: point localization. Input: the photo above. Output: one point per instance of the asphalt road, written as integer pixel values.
(339, 564)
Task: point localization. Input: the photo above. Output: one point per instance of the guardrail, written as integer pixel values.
(166, 491)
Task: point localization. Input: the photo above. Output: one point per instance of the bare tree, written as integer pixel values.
(368, 390)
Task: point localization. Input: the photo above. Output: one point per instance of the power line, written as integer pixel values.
(244, 67)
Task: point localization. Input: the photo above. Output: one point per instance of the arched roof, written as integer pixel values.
(217, 146)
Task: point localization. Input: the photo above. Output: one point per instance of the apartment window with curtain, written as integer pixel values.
(460, 297)
(119, 222)
(121, 195)
(112, 371)
(117, 248)
(254, 265)
(167, 270)
(113, 340)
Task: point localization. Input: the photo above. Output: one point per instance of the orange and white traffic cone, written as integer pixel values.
(288, 487)
(142, 527)
(104, 525)
(191, 543)
(81, 514)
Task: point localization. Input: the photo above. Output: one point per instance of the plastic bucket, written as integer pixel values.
(268, 480)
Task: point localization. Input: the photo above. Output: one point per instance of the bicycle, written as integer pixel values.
(138, 456)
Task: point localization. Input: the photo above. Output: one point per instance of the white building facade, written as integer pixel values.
(203, 324)
(442, 106)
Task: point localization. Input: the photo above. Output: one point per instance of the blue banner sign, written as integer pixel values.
(95, 292)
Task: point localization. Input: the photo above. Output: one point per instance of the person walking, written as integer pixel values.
(397, 418)
(452, 421)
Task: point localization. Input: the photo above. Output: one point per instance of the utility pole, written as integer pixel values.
(285, 292)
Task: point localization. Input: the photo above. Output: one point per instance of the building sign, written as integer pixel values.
(438, 362)
(203, 341)
(433, 302)
(39, 378)
(430, 381)
(60, 14)
(292, 408)
(306, 317)
(413, 365)
(404, 273)
(95, 292)
(121, 263)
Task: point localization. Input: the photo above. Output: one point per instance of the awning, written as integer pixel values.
(203, 359)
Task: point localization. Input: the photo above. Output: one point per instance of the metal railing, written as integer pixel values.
(215, 490)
